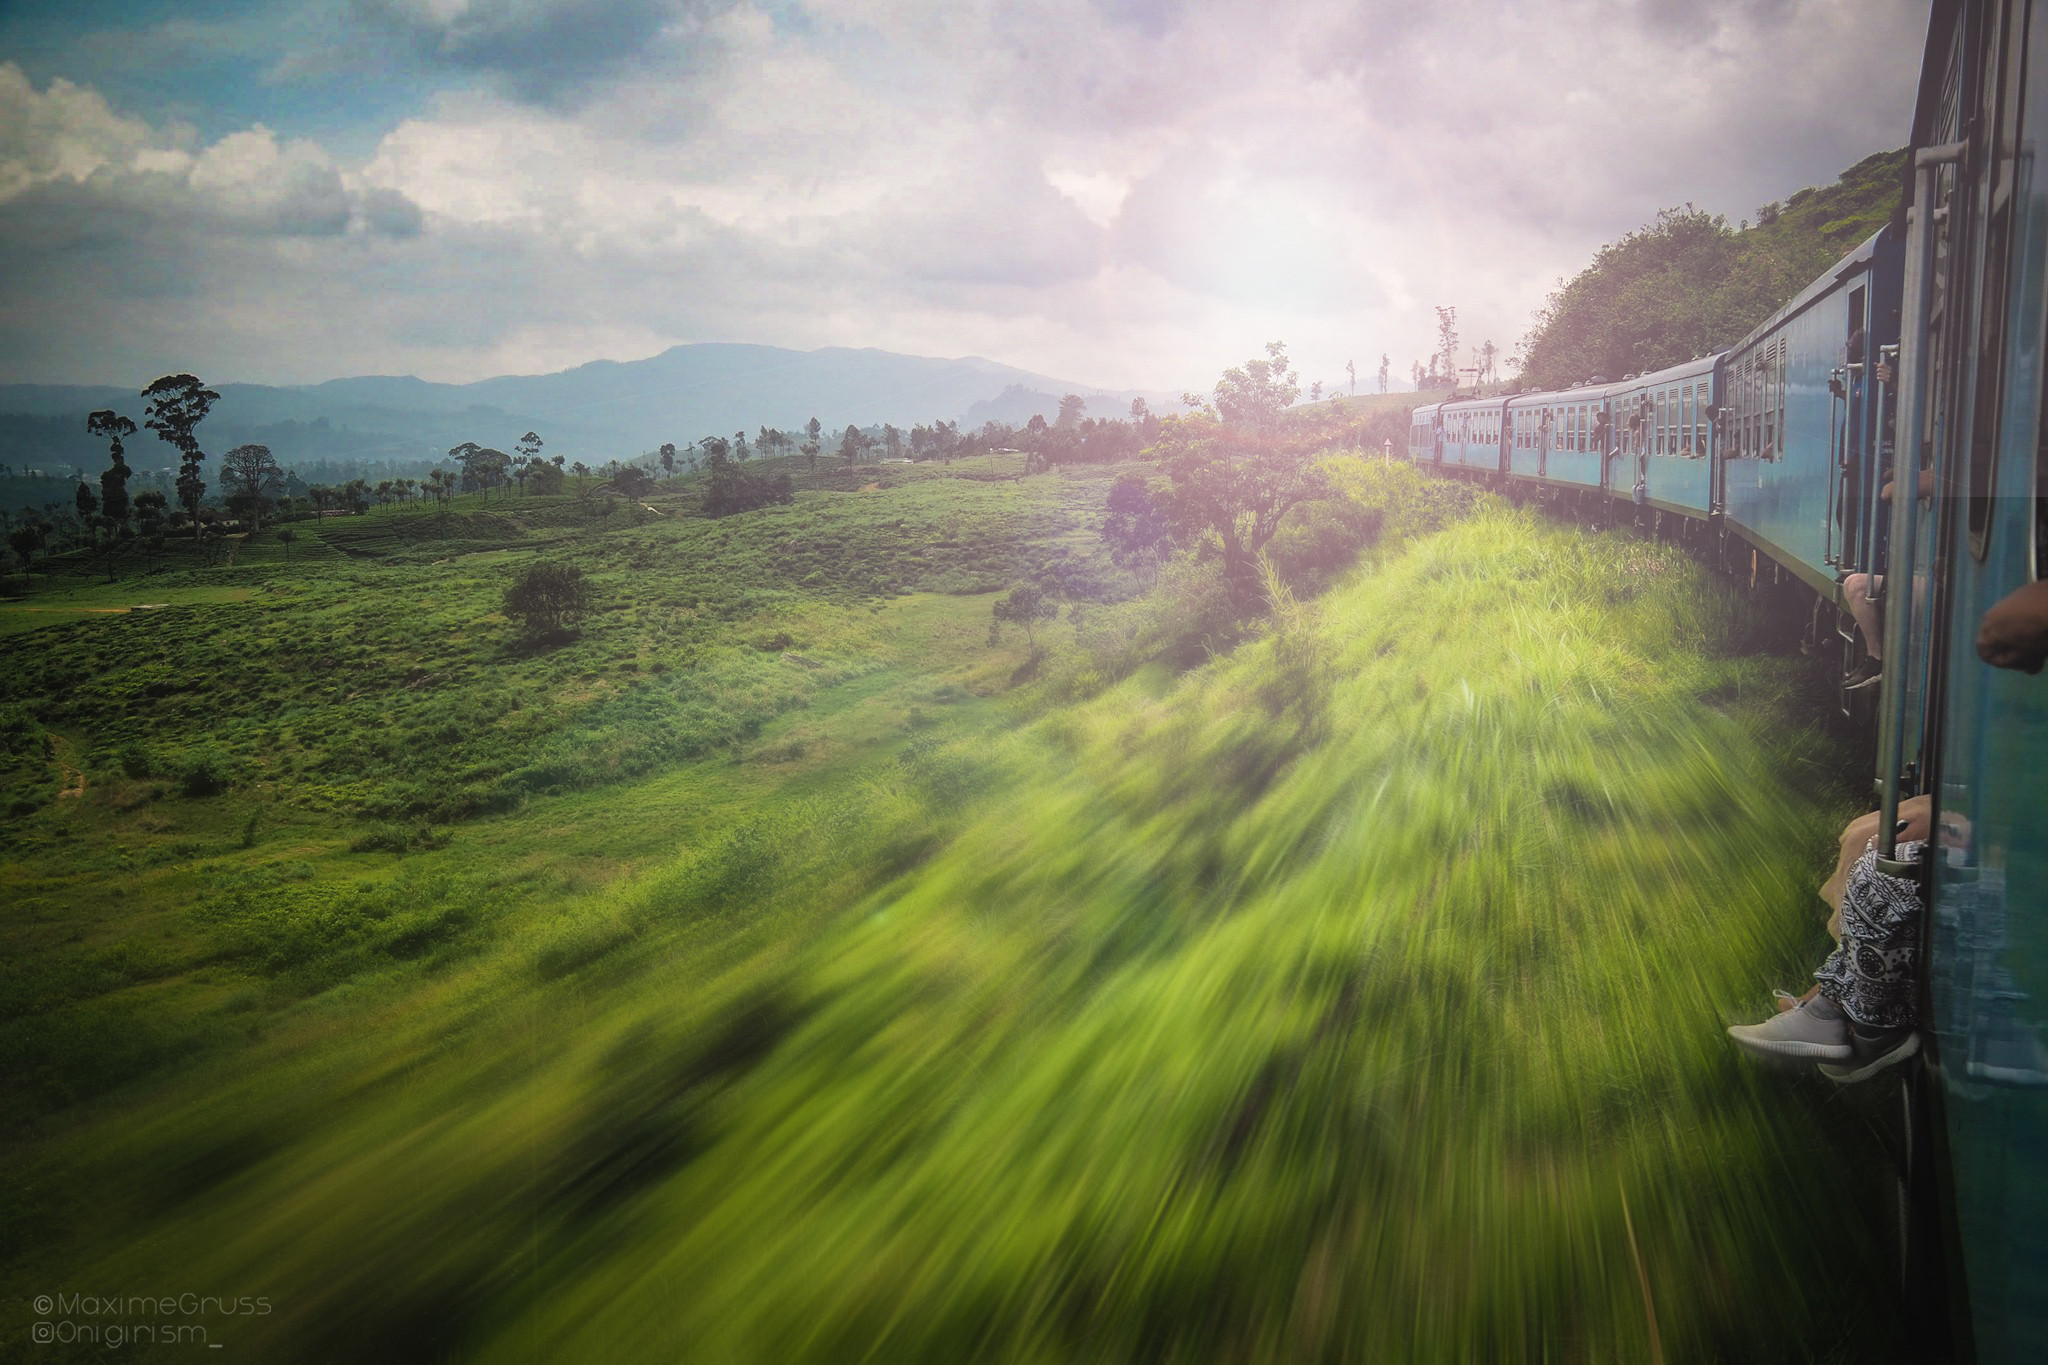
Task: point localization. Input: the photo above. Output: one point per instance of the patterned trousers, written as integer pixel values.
(1873, 973)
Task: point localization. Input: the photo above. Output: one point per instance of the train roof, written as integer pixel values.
(1672, 374)
(1585, 393)
(1860, 258)
(1473, 404)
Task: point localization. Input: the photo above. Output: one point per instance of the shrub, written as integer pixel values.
(1320, 540)
(733, 489)
(397, 838)
(548, 598)
(1027, 607)
(205, 771)
(135, 759)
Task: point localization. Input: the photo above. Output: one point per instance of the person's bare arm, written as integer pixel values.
(2014, 634)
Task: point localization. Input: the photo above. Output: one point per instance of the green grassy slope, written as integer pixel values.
(1356, 995)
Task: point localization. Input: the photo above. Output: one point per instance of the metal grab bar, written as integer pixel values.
(1898, 606)
(1836, 466)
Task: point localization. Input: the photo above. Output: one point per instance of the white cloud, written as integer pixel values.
(1127, 193)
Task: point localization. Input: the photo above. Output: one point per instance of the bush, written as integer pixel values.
(1320, 540)
(733, 489)
(397, 838)
(204, 772)
(135, 759)
(548, 598)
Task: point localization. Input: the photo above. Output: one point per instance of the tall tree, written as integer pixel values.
(178, 403)
(668, 459)
(253, 478)
(1385, 364)
(529, 446)
(851, 444)
(482, 467)
(25, 540)
(440, 487)
(1072, 405)
(1446, 344)
(113, 428)
(149, 524)
(1234, 475)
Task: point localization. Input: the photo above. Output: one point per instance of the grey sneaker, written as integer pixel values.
(1815, 1029)
(1874, 1050)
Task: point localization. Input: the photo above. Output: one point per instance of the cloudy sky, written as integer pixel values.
(1119, 192)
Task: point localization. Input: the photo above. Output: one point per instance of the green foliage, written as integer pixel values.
(1338, 980)
(1024, 606)
(1355, 996)
(730, 487)
(1687, 284)
(548, 598)
(204, 770)
(399, 838)
(1136, 528)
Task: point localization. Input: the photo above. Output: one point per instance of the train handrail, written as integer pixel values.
(1898, 606)
(1838, 463)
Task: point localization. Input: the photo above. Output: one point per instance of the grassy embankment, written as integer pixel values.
(1355, 995)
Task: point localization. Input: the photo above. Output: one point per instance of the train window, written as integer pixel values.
(1784, 361)
(1685, 418)
(1752, 413)
(1770, 407)
(1735, 426)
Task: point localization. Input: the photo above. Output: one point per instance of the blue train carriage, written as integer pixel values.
(1532, 424)
(1424, 427)
(1551, 437)
(1791, 468)
(1662, 440)
(1472, 435)
(1963, 719)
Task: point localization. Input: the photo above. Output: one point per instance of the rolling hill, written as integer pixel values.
(600, 411)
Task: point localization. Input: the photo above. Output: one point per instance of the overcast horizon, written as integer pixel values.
(1124, 194)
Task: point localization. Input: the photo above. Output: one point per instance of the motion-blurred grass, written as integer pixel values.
(1356, 996)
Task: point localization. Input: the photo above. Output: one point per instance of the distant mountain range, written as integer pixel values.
(601, 411)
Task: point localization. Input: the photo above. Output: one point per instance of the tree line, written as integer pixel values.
(1687, 284)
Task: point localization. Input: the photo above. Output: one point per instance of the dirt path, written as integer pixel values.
(74, 776)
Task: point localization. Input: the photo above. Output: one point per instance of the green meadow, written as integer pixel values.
(786, 969)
